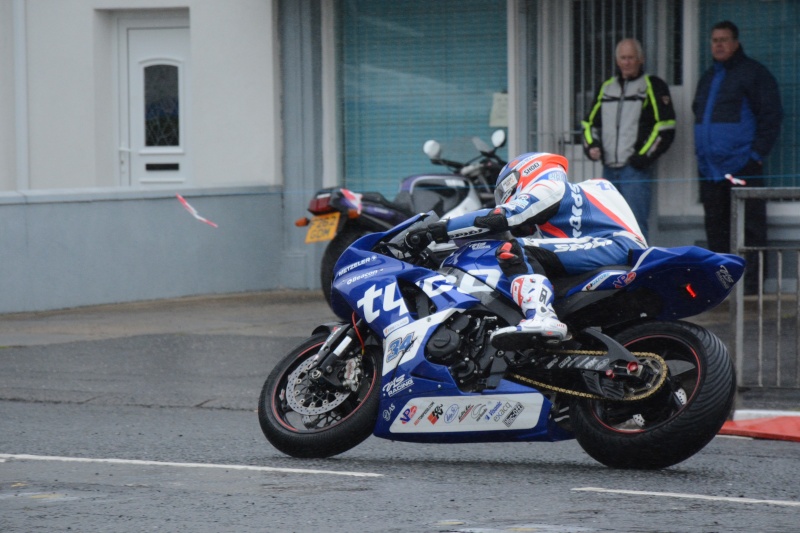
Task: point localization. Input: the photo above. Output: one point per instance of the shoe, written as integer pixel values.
(524, 335)
(534, 294)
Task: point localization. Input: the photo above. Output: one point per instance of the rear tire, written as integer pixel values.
(333, 251)
(677, 421)
(335, 419)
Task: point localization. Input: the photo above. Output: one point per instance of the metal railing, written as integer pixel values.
(766, 326)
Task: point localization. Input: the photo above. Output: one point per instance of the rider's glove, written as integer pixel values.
(438, 231)
(495, 221)
(419, 238)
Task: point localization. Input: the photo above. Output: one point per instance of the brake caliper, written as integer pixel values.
(352, 373)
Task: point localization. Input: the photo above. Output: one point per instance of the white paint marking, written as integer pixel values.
(690, 496)
(23, 457)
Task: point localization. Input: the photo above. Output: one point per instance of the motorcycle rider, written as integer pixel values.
(560, 229)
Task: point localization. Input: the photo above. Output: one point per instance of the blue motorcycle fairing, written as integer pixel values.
(368, 283)
(689, 280)
(477, 258)
(371, 288)
(357, 255)
(421, 402)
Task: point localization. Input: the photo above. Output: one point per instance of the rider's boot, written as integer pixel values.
(534, 294)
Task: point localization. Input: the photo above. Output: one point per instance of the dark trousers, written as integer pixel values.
(716, 198)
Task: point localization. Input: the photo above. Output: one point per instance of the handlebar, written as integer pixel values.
(407, 245)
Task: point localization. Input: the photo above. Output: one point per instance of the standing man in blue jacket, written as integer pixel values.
(630, 124)
(737, 109)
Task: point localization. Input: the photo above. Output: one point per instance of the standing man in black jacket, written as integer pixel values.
(630, 124)
(737, 109)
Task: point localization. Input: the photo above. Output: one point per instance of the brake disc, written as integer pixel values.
(307, 397)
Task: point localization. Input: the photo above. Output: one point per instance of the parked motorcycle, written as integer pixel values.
(342, 216)
(635, 385)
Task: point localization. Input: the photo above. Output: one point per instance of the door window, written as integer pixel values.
(161, 106)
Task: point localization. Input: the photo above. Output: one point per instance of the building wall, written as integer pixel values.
(72, 233)
(7, 113)
(73, 91)
(73, 248)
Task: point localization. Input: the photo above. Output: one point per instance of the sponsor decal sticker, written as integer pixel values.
(479, 411)
(362, 276)
(425, 412)
(451, 413)
(399, 347)
(408, 414)
(397, 325)
(502, 411)
(397, 385)
(725, 278)
(435, 414)
(592, 285)
(357, 264)
(624, 280)
(493, 410)
(585, 245)
(513, 415)
(448, 414)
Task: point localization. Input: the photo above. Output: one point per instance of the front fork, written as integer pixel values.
(333, 352)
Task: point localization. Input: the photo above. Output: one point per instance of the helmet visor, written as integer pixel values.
(506, 187)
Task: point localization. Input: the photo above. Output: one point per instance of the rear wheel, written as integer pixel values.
(677, 421)
(335, 248)
(306, 417)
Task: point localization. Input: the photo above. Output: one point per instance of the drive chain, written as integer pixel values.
(645, 355)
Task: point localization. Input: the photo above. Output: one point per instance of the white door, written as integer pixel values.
(155, 103)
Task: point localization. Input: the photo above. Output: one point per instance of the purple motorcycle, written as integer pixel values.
(342, 216)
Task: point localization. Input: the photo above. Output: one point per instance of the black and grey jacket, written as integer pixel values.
(632, 121)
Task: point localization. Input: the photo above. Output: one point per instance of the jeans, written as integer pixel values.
(634, 185)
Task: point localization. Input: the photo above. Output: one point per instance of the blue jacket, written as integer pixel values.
(737, 109)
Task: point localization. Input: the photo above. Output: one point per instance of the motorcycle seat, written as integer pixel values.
(563, 284)
(379, 199)
(403, 203)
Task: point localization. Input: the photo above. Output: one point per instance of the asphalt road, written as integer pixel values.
(142, 418)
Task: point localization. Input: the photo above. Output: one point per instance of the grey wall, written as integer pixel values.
(301, 99)
(66, 249)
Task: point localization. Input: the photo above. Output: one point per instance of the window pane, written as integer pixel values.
(412, 71)
(161, 115)
(600, 24)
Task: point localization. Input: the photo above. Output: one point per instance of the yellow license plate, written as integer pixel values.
(323, 227)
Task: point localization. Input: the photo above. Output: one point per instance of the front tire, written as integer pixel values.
(309, 419)
(677, 421)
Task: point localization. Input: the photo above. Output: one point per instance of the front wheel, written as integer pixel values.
(311, 418)
(677, 421)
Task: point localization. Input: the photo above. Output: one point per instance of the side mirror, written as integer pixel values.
(432, 149)
(499, 138)
(480, 145)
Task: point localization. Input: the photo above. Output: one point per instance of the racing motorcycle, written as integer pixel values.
(341, 216)
(637, 386)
